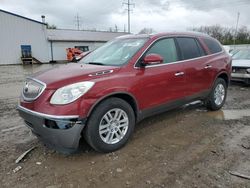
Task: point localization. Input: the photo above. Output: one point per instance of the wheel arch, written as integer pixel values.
(129, 98)
(224, 76)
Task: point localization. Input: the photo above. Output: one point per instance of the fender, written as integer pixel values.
(113, 94)
(220, 73)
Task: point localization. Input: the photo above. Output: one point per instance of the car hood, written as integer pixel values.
(241, 63)
(63, 75)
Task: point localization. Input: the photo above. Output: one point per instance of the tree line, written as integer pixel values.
(226, 35)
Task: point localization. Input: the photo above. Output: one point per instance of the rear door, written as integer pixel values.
(162, 83)
(196, 65)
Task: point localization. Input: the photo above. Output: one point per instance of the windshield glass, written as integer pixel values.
(242, 54)
(116, 52)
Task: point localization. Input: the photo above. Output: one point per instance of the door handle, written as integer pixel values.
(179, 73)
(208, 66)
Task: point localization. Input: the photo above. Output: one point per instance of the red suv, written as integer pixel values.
(127, 79)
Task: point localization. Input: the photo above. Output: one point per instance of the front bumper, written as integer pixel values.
(240, 77)
(61, 133)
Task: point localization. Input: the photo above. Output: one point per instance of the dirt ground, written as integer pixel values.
(186, 147)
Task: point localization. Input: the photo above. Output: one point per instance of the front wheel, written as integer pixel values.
(217, 97)
(110, 125)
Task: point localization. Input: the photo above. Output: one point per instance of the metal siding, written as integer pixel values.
(16, 31)
(59, 48)
(64, 35)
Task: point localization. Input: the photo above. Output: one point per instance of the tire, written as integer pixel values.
(105, 133)
(214, 102)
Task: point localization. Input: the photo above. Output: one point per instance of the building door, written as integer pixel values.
(26, 51)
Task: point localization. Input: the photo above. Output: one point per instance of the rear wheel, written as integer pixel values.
(110, 125)
(217, 97)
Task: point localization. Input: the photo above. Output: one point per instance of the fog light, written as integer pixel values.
(58, 124)
(248, 71)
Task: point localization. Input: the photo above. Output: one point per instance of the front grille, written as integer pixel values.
(242, 70)
(32, 89)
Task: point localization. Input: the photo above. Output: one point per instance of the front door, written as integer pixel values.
(162, 83)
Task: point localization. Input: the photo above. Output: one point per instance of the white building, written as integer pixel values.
(19, 33)
(61, 39)
(15, 31)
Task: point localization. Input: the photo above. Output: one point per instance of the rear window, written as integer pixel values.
(189, 48)
(212, 45)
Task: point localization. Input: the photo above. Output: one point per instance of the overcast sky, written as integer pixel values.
(161, 15)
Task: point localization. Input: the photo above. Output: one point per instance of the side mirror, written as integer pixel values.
(152, 59)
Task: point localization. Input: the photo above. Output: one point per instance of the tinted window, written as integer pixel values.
(202, 51)
(83, 48)
(212, 45)
(166, 48)
(189, 48)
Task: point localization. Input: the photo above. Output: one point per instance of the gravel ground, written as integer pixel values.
(186, 147)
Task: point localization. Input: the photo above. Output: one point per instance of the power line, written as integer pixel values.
(129, 4)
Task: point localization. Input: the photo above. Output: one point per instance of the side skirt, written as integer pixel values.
(171, 105)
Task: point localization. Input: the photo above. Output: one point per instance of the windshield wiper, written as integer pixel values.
(95, 63)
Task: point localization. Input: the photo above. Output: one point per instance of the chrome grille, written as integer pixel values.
(242, 70)
(32, 89)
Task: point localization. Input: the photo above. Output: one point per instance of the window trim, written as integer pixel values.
(154, 43)
(200, 46)
(136, 64)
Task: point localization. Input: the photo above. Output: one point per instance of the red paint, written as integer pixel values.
(150, 87)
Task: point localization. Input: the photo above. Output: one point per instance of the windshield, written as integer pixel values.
(115, 53)
(242, 54)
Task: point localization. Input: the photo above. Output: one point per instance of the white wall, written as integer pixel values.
(16, 31)
(59, 48)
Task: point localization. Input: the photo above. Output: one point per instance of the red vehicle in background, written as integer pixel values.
(127, 79)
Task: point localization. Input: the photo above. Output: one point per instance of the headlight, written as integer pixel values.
(248, 71)
(70, 93)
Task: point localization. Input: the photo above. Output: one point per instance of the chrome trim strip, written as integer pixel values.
(181, 61)
(38, 81)
(101, 73)
(46, 115)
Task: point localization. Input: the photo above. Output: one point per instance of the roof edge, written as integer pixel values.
(60, 40)
(13, 14)
(93, 31)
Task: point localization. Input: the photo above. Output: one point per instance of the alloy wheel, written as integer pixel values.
(219, 94)
(113, 126)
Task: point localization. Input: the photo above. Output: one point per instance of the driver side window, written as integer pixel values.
(166, 48)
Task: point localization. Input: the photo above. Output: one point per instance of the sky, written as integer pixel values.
(160, 15)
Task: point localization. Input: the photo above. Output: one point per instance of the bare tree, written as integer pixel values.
(226, 35)
(51, 26)
(146, 31)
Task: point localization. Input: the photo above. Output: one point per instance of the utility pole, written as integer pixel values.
(236, 29)
(78, 21)
(129, 4)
